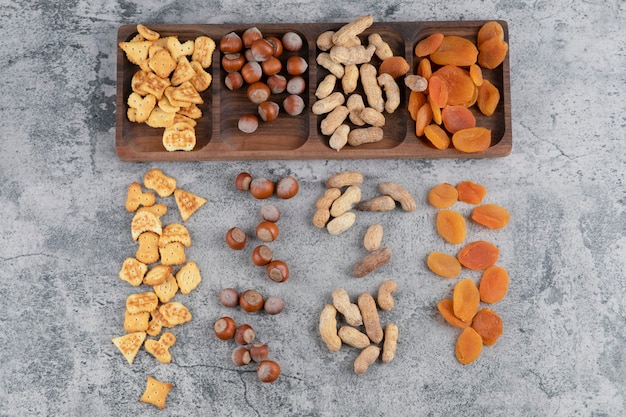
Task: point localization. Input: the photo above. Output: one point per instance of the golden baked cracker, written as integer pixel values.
(136, 322)
(166, 290)
(169, 93)
(137, 38)
(192, 112)
(159, 118)
(129, 344)
(131, 114)
(147, 33)
(137, 52)
(178, 49)
(143, 105)
(156, 323)
(165, 105)
(175, 232)
(173, 253)
(179, 137)
(146, 301)
(157, 209)
(162, 63)
(180, 118)
(156, 392)
(160, 348)
(175, 313)
(156, 180)
(188, 277)
(186, 92)
(133, 271)
(203, 50)
(188, 203)
(201, 80)
(153, 84)
(136, 197)
(148, 250)
(138, 79)
(183, 72)
(157, 275)
(145, 221)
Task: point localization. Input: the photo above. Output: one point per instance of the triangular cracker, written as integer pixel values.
(137, 52)
(183, 72)
(129, 344)
(156, 392)
(187, 93)
(188, 203)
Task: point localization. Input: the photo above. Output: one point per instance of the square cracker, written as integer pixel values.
(156, 392)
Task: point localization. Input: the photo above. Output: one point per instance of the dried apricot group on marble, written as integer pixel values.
(493, 284)
(470, 192)
(451, 226)
(478, 255)
(492, 216)
(443, 264)
(468, 346)
(443, 195)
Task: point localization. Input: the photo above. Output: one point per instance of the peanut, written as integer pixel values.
(339, 138)
(371, 262)
(365, 135)
(353, 55)
(322, 214)
(351, 312)
(342, 223)
(366, 358)
(355, 104)
(350, 78)
(326, 86)
(353, 337)
(372, 117)
(383, 50)
(328, 103)
(385, 300)
(344, 179)
(325, 40)
(323, 59)
(373, 237)
(398, 193)
(392, 92)
(371, 320)
(328, 328)
(372, 90)
(390, 343)
(380, 203)
(334, 119)
(351, 196)
(352, 29)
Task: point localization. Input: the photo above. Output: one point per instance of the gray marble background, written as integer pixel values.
(64, 232)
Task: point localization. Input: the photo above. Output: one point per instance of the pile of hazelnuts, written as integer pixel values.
(260, 62)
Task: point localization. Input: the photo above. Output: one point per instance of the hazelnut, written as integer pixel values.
(242, 181)
(296, 85)
(261, 255)
(236, 238)
(270, 213)
(231, 43)
(233, 62)
(287, 187)
(277, 271)
(251, 72)
(274, 305)
(259, 352)
(244, 334)
(258, 92)
(251, 301)
(293, 105)
(241, 356)
(224, 328)
(277, 44)
(267, 231)
(292, 42)
(277, 83)
(261, 50)
(296, 65)
(248, 123)
(268, 111)
(250, 35)
(233, 80)
(229, 297)
(261, 188)
(271, 66)
(268, 371)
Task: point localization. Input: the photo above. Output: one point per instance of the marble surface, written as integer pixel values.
(65, 233)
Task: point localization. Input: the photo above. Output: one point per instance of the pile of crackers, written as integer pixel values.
(166, 88)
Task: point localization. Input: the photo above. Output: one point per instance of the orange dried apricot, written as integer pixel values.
(478, 255)
(428, 45)
(424, 68)
(476, 74)
(445, 308)
(455, 50)
(461, 88)
(423, 118)
(472, 139)
(416, 100)
(444, 265)
(435, 109)
(468, 346)
(455, 118)
(438, 91)
(488, 325)
(451, 226)
(492, 53)
(470, 192)
(443, 195)
(492, 216)
(488, 98)
(494, 284)
(437, 136)
(489, 30)
(465, 299)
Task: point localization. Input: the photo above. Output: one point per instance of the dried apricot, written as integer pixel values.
(470, 192)
(455, 118)
(451, 226)
(478, 255)
(416, 100)
(472, 139)
(444, 265)
(492, 53)
(489, 30)
(488, 325)
(424, 68)
(465, 299)
(492, 216)
(476, 74)
(435, 109)
(443, 195)
(445, 308)
(494, 284)
(423, 118)
(437, 136)
(455, 50)
(438, 91)
(461, 88)
(428, 45)
(488, 98)
(468, 346)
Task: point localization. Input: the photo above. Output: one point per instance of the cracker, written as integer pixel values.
(157, 209)
(162, 63)
(183, 72)
(165, 105)
(137, 52)
(129, 344)
(159, 118)
(131, 114)
(173, 254)
(180, 118)
(179, 137)
(186, 92)
(146, 301)
(157, 275)
(156, 323)
(178, 49)
(175, 313)
(175, 232)
(166, 290)
(147, 34)
(136, 197)
(188, 277)
(160, 348)
(148, 250)
(156, 180)
(133, 271)
(138, 79)
(192, 112)
(201, 80)
(142, 105)
(188, 203)
(137, 322)
(156, 392)
(145, 221)
(169, 93)
(153, 84)
(203, 51)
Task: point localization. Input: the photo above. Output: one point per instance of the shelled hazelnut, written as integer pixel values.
(236, 238)
(225, 328)
(277, 271)
(244, 334)
(251, 301)
(262, 255)
(242, 181)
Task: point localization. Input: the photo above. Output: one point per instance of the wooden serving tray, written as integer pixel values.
(299, 137)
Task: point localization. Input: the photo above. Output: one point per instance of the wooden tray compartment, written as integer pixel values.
(299, 137)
